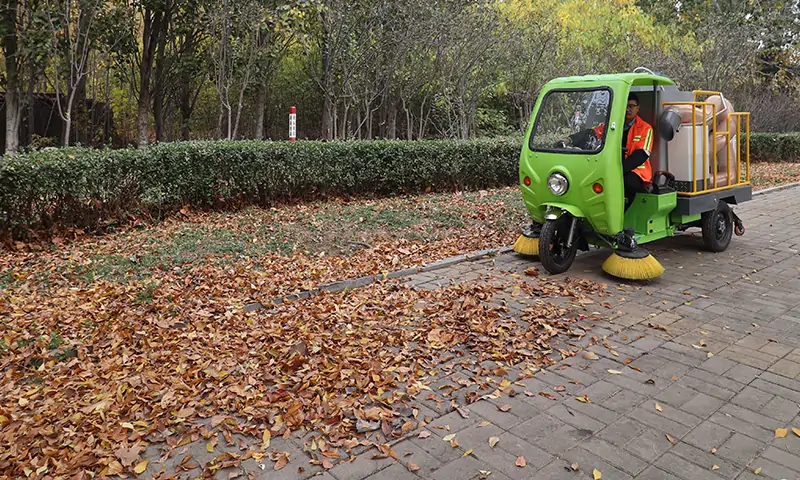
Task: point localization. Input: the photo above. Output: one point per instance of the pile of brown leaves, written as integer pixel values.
(95, 368)
(768, 174)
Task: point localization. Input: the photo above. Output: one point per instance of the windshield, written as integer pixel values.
(572, 121)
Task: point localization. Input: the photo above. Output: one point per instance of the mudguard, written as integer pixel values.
(558, 209)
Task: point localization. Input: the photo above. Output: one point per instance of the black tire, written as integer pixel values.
(717, 228)
(553, 252)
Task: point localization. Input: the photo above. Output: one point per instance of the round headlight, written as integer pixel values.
(558, 184)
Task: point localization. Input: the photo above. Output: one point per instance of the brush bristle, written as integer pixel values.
(526, 245)
(645, 268)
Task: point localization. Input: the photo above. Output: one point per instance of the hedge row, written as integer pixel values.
(92, 188)
(775, 147)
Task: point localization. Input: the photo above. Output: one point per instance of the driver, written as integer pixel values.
(637, 143)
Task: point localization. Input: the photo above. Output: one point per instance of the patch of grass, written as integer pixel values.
(7, 280)
(186, 247)
(55, 340)
(66, 354)
(146, 295)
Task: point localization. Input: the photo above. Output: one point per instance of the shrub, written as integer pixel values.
(94, 188)
(775, 147)
(91, 188)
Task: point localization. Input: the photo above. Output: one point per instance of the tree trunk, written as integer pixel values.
(160, 79)
(186, 102)
(68, 120)
(78, 105)
(153, 24)
(327, 84)
(343, 125)
(261, 107)
(409, 120)
(9, 22)
(30, 103)
(391, 120)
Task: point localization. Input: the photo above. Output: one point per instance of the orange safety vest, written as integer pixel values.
(640, 137)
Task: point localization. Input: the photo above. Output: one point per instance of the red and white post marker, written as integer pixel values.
(292, 124)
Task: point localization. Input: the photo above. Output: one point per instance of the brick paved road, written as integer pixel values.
(702, 401)
(684, 414)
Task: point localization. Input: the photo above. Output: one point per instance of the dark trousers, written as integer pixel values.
(633, 184)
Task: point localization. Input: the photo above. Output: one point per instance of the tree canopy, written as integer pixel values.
(137, 71)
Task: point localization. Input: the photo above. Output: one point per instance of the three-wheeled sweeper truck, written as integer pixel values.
(574, 191)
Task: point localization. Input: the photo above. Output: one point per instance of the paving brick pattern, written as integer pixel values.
(691, 410)
(700, 400)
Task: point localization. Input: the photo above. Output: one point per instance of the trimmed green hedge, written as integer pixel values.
(775, 147)
(92, 188)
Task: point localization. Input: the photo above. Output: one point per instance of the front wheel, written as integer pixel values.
(718, 227)
(555, 255)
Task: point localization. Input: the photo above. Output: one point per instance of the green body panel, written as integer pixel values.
(572, 209)
(603, 211)
(678, 219)
(649, 216)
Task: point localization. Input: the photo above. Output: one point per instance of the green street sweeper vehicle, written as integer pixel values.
(574, 190)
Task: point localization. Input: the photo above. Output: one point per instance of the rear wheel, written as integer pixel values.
(554, 254)
(718, 228)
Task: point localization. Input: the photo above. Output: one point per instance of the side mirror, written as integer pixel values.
(668, 123)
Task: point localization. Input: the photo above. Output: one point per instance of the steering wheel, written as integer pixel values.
(592, 143)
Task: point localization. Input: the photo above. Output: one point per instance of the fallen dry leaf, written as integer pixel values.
(596, 474)
(615, 372)
(583, 399)
(447, 438)
(520, 462)
(781, 432)
(140, 467)
(669, 437)
(493, 441)
(796, 431)
(504, 408)
(574, 467)
(424, 434)
(658, 407)
(127, 456)
(715, 467)
(468, 452)
(590, 356)
(326, 464)
(757, 470)
(485, 423)
(413, 467)
(283, 459)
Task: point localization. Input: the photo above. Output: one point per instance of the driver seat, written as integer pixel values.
(663, 182)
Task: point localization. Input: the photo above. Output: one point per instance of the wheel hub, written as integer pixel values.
(721, 227)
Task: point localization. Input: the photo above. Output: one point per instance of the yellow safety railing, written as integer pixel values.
(704, 106)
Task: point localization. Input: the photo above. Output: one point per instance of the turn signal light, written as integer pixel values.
(598, 188)
(527, 181)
